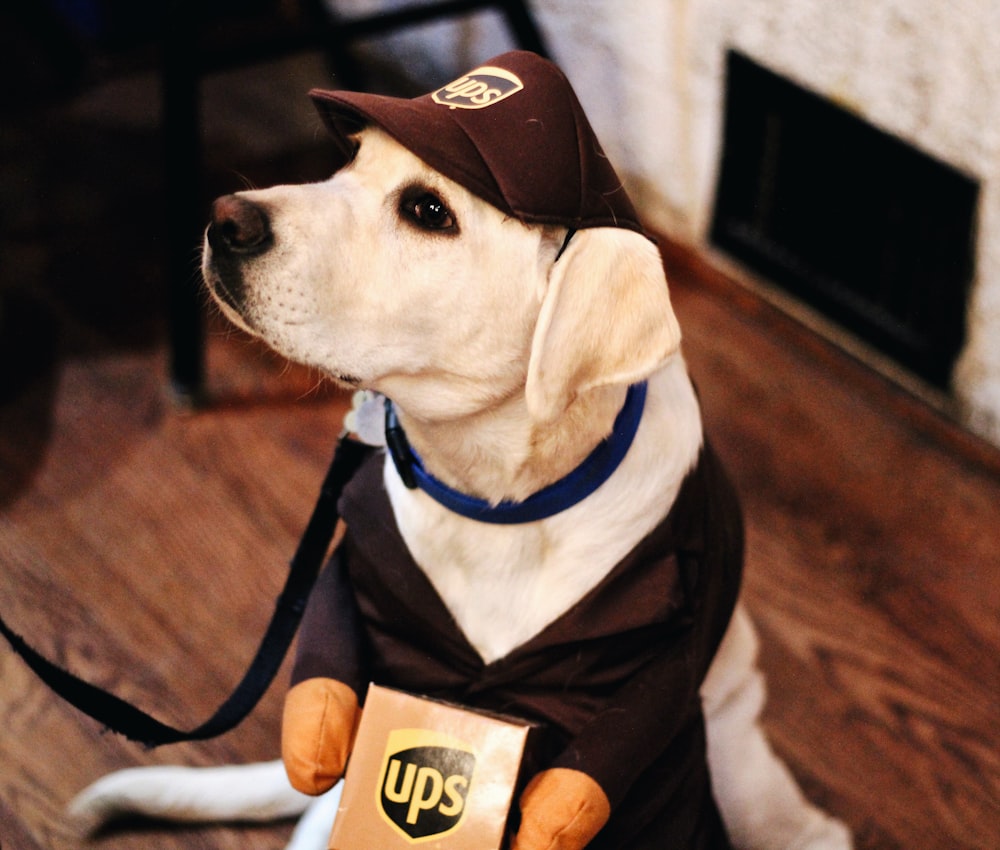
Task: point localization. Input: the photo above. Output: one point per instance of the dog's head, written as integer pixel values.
(395, 277)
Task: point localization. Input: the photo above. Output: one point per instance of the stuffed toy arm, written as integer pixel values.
(565, 806)
(561, 809)
(317, 733)
(321, 712)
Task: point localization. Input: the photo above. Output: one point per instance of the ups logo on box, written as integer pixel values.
(424, 783)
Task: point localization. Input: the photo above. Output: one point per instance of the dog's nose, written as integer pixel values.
(239, 226)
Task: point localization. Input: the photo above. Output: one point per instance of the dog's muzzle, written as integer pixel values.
(239, 231)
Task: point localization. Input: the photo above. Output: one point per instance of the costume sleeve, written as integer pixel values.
(659, 708)
(330, 643)
(661, 704)
(639, 724)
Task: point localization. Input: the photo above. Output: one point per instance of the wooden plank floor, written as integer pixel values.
(873, 573)
(143, 547)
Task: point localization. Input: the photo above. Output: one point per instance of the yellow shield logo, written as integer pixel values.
(479, 89)
(424, 783)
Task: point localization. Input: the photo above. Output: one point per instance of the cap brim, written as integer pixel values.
(420, 126)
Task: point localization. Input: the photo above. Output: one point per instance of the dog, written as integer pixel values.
(510, 337)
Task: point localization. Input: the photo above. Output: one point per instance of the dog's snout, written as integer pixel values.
(239, 226)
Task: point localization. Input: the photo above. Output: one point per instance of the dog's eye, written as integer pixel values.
(428, 211)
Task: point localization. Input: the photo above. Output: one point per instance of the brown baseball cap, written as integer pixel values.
(511, 131)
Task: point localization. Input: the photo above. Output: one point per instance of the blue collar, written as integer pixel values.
(557, 497)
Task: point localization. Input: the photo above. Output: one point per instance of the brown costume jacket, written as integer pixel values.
(615, 679)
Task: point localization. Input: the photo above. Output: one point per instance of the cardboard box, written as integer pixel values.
(429, 773)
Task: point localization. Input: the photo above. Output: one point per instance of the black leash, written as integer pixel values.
(127, 720)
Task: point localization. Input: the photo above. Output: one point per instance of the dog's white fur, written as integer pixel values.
(507, 366)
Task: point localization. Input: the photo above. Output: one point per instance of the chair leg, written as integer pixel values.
(522, 24)
(182, 173)
(329, 32)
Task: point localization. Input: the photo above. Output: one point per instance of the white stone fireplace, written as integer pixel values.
(651, 74)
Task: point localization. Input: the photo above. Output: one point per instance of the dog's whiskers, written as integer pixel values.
(248, 184)
(319, 380)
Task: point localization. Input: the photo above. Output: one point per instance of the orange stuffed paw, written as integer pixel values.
(561, 809)
(317, 733)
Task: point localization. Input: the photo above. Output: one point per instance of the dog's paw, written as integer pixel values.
(313, 829)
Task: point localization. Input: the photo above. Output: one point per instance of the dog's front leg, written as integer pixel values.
(312, 832)
(761, 804)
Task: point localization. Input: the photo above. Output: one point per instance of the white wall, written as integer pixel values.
(650, 74)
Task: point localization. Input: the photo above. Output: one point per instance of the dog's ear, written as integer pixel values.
(605, 319)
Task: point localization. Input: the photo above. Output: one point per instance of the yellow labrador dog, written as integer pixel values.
(509, 337)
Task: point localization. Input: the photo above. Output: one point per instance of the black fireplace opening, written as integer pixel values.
(872, 232)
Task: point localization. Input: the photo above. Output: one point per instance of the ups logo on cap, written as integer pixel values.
(424, 783)
(479, 89)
